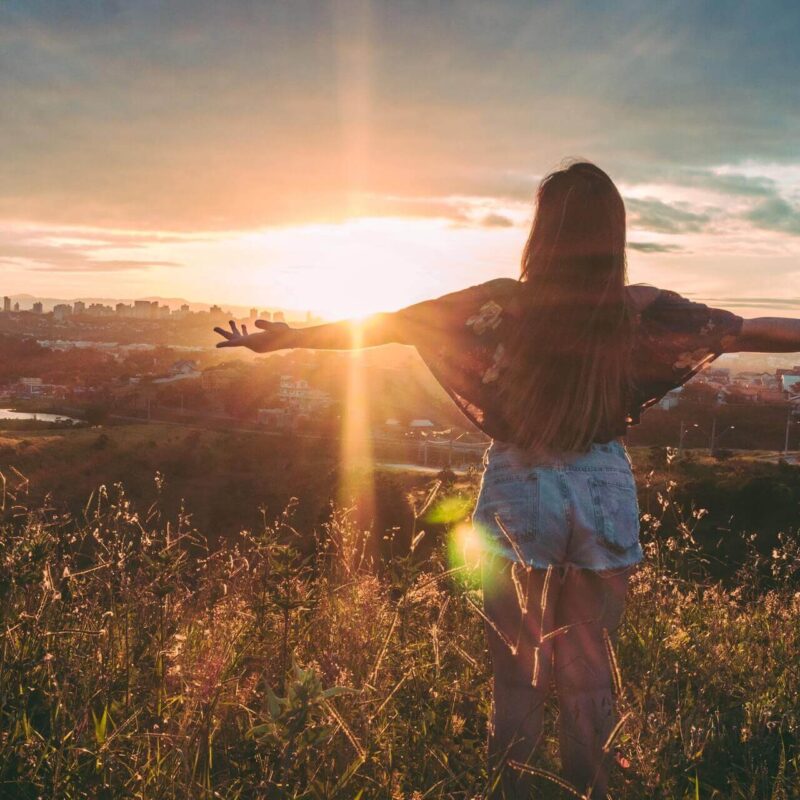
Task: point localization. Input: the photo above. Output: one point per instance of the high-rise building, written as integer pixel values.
(145, 309)
(16, 308)
(38, 308)
(79, 307)
(253, 313)
(265, 315)
(61, 311)
(278, 316)
(7, 304)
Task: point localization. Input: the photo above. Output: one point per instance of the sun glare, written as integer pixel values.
(464, 551)
(351, 293)
(356, 482)
(360, 267)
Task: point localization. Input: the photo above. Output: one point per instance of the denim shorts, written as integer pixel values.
(569, 508)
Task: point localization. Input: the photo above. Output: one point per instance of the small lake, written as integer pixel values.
(7, 413)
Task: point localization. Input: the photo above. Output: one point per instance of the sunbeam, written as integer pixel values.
(356, 482)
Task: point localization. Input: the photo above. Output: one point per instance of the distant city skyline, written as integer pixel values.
(27, 301)
(359, 156)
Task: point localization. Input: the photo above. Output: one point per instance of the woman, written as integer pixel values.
(554, 367)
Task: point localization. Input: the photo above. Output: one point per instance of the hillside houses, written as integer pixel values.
(790, 384)
(721, 387)
(750, 393)
(300, 397)
(181, 370)
(298, 404)
(222, 377)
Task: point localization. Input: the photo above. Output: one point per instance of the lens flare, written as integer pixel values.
(357, 478)
(464, 548)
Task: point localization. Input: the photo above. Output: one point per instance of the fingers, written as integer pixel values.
(263, 324)
(232, 337)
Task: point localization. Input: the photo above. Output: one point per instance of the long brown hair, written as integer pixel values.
(567, 377)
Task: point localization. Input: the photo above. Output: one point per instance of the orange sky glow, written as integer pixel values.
(361, 158)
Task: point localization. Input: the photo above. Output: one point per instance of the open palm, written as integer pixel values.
(272, 336)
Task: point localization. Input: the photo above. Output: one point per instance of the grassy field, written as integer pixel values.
(139, 662)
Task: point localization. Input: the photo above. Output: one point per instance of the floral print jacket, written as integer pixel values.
(461, 337)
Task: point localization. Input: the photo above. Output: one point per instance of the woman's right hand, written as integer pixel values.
(273, 336)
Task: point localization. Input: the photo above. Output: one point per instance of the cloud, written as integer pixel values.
(776, 214)
(768, 208)
(778, 303)
(654, 215)
(496, 221)
(196, 115)
(654, 247)
(114, 265)
(462, 210)
(726, 183)
(75, 251)
(369, 205)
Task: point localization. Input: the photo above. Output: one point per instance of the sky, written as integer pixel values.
(355, 156)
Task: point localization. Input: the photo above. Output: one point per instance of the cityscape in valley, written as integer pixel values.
(145, 361)
(154, 361)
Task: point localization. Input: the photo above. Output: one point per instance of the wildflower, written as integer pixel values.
(745, 734)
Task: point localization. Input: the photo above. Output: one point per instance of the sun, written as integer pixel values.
(358, 270)
(352, 291)
(353, 268)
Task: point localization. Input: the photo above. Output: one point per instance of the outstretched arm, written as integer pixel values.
(346, 335)
(419, 324)
(767, 335)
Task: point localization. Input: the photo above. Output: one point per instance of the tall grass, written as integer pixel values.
(135, 662)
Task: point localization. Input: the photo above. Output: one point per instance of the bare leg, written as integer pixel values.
(521, 666)
(590, 609)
